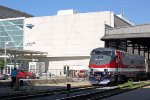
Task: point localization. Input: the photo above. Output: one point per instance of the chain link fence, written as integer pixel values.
(51, 73)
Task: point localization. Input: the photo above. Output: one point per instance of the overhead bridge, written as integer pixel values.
(134, 39)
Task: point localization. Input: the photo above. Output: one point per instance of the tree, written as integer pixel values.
(1, 65)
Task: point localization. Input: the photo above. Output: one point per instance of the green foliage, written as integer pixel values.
(131, 85)
(141, 84)
(128, 84)
(1, 63)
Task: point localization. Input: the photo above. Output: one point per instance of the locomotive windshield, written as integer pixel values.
(108, 53)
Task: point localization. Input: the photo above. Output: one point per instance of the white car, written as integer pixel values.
(3, 76)
(37, 75)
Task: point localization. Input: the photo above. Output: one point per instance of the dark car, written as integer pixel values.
(3, 76)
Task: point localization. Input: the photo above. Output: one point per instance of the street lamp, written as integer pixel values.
(5, 55)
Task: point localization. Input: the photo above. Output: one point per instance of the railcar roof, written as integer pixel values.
(110, 49)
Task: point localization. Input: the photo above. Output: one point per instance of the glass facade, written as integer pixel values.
(11, 31)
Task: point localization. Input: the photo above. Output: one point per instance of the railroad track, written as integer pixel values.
(101, 94)
(96, 95)
(84, 92)
(71, 93)
(26, 95)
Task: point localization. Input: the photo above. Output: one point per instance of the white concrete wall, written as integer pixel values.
(57, 66)
(67, 35)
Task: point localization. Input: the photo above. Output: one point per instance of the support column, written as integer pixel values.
(117, 45)
(148, 53)
(126, 46)
(107, 44)
(133, 47)
(15, 60)
(144, 52)
(139, 49)
(32, 56)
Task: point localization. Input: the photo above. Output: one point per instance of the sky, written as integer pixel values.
(137, 11)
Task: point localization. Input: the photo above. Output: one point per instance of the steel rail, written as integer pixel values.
(31, 94)
(100, 94)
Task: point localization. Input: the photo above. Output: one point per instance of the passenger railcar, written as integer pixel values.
(109, 65)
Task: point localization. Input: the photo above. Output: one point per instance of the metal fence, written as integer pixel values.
(51, 73)
(48, 77)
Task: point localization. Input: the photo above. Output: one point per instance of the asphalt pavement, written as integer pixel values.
(138, 94)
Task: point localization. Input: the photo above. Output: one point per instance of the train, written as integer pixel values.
(108, 65)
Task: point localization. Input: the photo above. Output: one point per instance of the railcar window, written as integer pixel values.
(122, 54)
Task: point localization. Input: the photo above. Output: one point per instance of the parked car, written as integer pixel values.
(26, 75)
(83, 73)
(3, 76)
(37, 75)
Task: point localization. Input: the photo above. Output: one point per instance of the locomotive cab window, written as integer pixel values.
(108, 53)
(96, 53)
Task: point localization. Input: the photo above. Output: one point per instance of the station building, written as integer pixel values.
(67, 37)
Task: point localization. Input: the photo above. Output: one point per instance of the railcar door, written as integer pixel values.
(118, 61)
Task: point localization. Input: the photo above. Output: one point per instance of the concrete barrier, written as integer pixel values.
(28, 82)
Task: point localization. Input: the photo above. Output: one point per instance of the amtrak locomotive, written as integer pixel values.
(109, 65)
